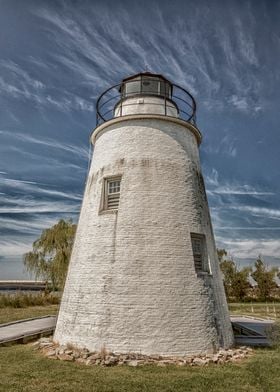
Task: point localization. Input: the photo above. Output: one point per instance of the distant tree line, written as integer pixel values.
(238, 282)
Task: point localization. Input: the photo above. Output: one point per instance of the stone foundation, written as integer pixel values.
(104, 358)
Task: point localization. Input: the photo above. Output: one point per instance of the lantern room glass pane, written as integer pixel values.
(146, 85)
(132, 87)
(165, 89)
(150, 86)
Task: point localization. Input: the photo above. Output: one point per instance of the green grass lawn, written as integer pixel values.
(12, 314)
(23, 370)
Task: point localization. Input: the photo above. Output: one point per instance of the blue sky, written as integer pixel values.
(57, 57)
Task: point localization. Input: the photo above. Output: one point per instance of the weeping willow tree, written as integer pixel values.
(51, 252)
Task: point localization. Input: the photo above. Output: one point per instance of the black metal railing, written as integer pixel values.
(112, 102)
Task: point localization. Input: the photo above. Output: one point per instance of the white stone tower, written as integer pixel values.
(144, 275)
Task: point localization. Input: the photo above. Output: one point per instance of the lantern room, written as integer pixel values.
(146, 84)
(146, 93)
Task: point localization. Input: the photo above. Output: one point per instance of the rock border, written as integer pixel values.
(105, 358)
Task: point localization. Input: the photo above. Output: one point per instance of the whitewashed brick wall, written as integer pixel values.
(131, 283)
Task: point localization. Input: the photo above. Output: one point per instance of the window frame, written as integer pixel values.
(105, 193)
(204, 263)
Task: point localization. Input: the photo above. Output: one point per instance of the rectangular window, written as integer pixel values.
(199, 252)
(132, 87)
(112, 187)
(150, 86)
(165, 89)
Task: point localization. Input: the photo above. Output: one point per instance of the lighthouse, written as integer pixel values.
(144, 274)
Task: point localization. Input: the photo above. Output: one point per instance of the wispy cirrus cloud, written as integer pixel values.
(52, 143)
(72, 52)
(239, 102)
(31, 187)
(21, 75)
(245, 222)
(216, 186)
(20, 84)
(91, 44)
(271, 213)
(246, 42)
(251, 248)
(14, 247)
(65, 104)
(226, 146)
(25, 225)
(231, 189)
(248, 228)
(20, 206)
(80, 39)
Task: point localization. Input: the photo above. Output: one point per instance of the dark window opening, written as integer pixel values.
(199, 252)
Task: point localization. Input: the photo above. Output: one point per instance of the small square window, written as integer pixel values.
(114, 186)
(199, 252)
(111, 193)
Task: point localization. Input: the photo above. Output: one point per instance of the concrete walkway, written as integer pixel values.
(24, 330)
(249, 331)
